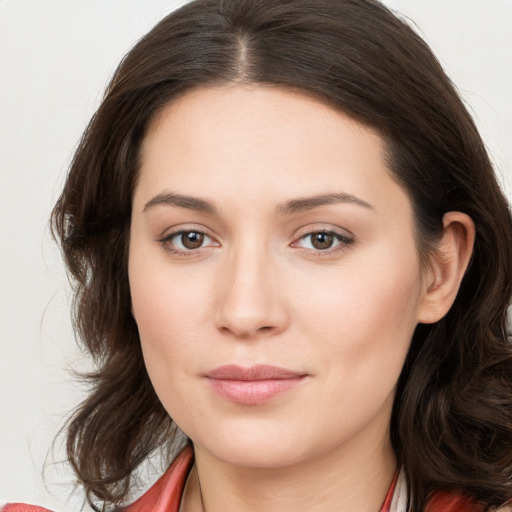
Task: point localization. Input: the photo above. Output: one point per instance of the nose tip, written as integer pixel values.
(250, 304)
(246, 324)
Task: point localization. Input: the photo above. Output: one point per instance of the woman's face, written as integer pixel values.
(274, 275)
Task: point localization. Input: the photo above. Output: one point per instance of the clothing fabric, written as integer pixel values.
(165, 494)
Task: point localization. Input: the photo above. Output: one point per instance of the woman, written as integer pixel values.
(288, 242)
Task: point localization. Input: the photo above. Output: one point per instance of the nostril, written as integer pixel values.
(246, 332)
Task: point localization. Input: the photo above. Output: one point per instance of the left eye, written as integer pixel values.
(188, 240)
(322, 240)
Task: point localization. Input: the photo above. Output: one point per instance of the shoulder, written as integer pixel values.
(451, 502)
(167, 491)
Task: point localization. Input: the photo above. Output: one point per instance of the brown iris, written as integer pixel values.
(192, 239)
(322, 241)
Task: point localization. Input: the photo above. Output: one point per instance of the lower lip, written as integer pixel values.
(253, 392)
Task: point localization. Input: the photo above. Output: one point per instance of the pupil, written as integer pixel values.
(322, 240)
(192, 240)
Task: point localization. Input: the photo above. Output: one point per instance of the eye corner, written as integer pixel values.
(328, 241)
(177, 244)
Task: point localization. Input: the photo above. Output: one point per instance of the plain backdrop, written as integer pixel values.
(56, 57)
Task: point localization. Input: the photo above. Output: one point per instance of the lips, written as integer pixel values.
(252, 385)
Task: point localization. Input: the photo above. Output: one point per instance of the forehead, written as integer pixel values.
(266, 113)
(262, 142)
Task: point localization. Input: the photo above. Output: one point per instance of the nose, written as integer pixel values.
(250, 300)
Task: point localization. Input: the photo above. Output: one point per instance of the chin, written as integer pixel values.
(253, 448)
(258, 456)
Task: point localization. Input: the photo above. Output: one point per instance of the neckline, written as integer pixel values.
(166, 494)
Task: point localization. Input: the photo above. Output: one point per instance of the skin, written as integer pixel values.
(258, 290)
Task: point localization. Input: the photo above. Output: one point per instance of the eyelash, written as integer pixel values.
(166, 242)
(343, 242)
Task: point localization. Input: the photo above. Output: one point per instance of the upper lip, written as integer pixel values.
(252, 373)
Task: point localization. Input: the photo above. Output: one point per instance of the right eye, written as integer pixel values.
(186, 241)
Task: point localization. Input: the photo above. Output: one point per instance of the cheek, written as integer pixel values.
(165, 297)
(172, 306)
(360, 329)
(159, 303)
(167, 308)
(365, 317)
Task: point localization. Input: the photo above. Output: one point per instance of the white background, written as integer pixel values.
(56, 57)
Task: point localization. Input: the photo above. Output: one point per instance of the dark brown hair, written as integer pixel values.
(451, 425)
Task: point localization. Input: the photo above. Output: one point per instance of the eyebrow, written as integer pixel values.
(189, 202)
(288, 208)
(309, 203)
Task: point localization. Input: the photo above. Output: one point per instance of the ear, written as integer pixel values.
(447, 266)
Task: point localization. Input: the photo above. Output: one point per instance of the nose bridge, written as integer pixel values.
(249, 302)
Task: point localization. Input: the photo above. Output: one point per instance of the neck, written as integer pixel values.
(350, 477)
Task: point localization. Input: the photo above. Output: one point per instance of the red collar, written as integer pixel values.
(165, 494)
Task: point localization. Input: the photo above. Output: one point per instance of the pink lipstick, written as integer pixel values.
(254, 385)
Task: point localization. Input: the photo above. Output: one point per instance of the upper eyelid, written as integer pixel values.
(165, 242)
(176, 230)
(339, 236)
(309, 230)
(336, 234)
(300, 234)
(174, 234)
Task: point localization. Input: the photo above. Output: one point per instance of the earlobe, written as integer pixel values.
(447, 267)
